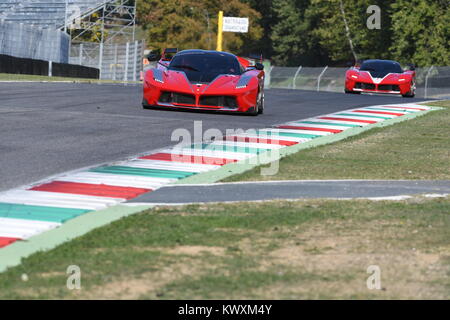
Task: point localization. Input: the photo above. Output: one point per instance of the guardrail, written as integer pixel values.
(431, 82)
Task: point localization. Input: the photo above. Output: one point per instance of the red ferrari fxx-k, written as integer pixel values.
(205, 80)
(381, 76)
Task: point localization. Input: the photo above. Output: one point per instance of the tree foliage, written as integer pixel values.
(190, 24)
(307, 32)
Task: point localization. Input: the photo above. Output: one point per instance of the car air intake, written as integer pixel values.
(219, 101)
(178, 98)
(365, 86)
(389, 87)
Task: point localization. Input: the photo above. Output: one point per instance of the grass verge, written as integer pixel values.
(414, 149)
(274, 250)
(27, 77)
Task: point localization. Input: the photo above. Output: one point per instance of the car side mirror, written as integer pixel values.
(259, 66)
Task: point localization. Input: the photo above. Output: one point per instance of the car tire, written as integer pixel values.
(261, 103)
(412, 91)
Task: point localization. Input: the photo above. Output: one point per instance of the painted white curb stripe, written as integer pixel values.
(312, 132)
(271, 137)
(208, 153)
(324, 126)
(119, 180)
(23, 229)
(165, 165)
(247, 144)
(374, 114)
(338, 121)
(355, 118)
(61, 200)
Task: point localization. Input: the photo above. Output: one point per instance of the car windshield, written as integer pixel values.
(380, 69)
(202, 67)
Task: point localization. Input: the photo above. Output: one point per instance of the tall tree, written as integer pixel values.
(421, 32)
(190, 24)
(293, 39)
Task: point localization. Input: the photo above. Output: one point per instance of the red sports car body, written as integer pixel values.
(205, 80)
(380, 76)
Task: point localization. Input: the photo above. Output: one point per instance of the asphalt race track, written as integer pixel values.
(50, 128)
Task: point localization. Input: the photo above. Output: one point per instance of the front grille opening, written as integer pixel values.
(220, 101)
(366, 86)
(178, 98)
(389, 87)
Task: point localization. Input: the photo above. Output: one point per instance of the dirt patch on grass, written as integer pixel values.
(151, 285)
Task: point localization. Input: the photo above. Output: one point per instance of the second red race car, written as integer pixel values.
(205, 80)
(381, 76)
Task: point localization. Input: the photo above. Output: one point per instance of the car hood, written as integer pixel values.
(178, 80)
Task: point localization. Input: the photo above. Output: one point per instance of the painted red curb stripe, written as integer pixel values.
(99, 190)
(188, 159)
(348, 119)
(310, 128)
(260, 140)
(6, 241)
(380, 112)
(407, 108)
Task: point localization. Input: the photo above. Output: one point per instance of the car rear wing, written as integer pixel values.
(169, 53)
(257, 57)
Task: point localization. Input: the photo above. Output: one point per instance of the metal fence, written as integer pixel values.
(115, 61)
(431, 82)
(25, 41)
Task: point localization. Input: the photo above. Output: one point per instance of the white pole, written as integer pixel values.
(100, 59)
(50, 66)
(127, 56)
(81, 54)
(426, 81)
(295, 77)
(135, 59)
(320, 77)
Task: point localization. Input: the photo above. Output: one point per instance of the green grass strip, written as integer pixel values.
(158, 173)
(39, 213)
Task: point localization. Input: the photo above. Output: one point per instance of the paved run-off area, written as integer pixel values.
(269, 190)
